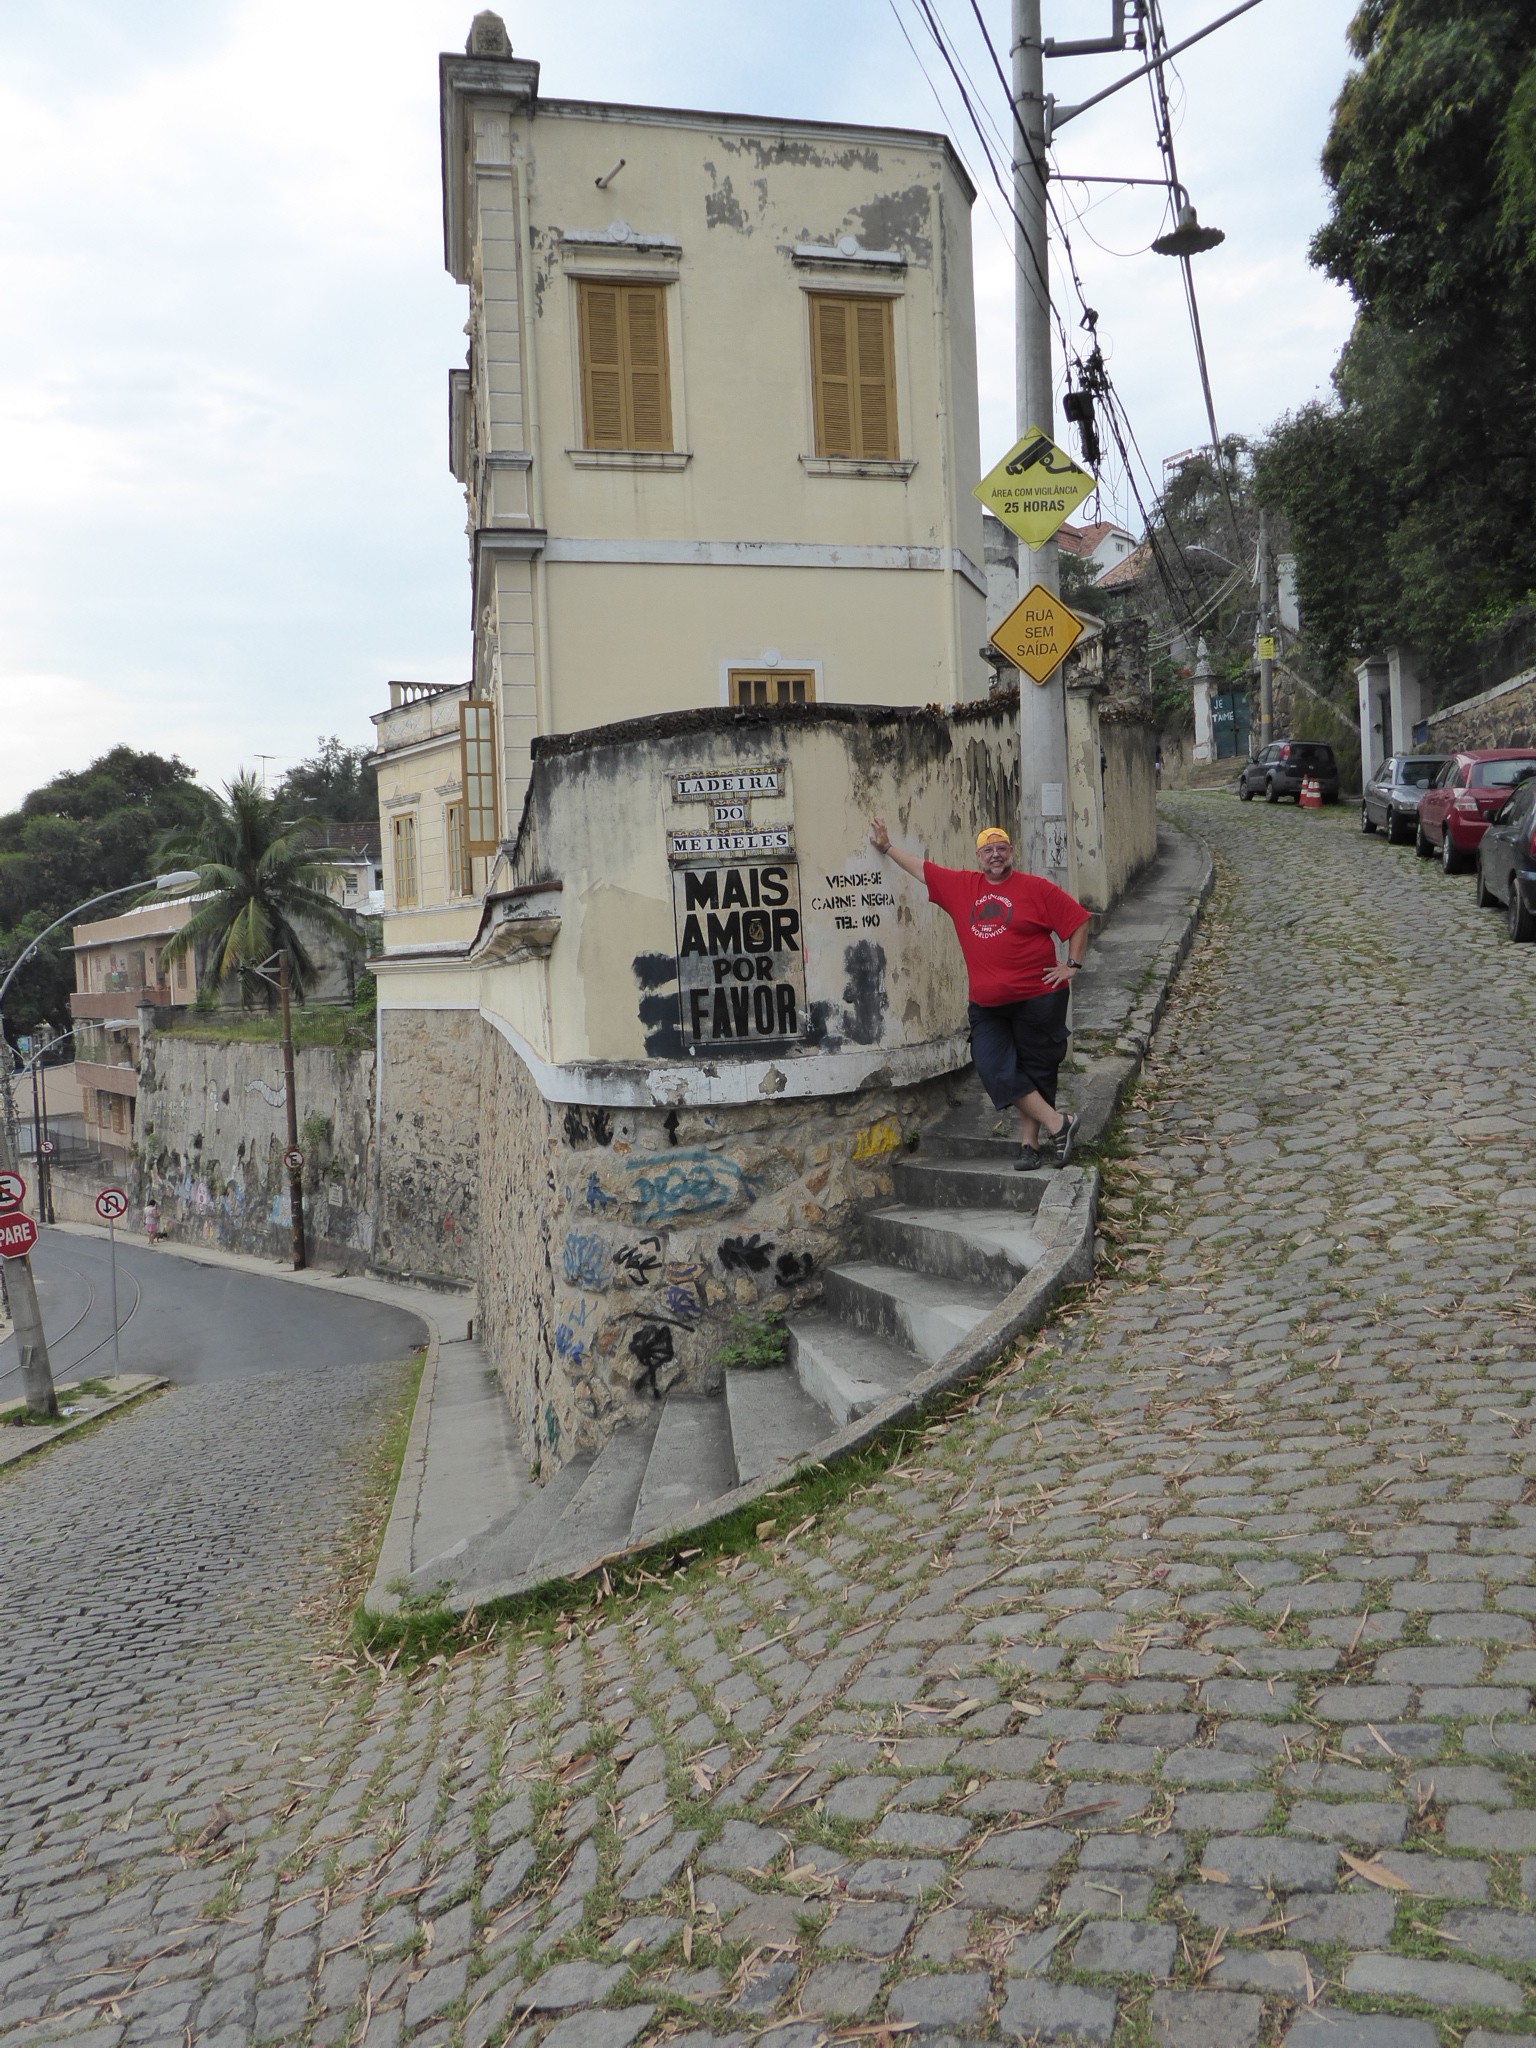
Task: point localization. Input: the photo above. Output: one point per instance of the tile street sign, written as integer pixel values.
(1035, 488)
(1039, 633)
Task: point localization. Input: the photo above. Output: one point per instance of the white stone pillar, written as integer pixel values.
(1370, 681)
(1409, 695)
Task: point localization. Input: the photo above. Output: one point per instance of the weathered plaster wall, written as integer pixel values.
(1111, 745)
(1503, 717)
(211, 1134)
(429, 1140)
(618, 1245)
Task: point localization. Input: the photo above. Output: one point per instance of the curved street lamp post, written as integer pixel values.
(36, 1370)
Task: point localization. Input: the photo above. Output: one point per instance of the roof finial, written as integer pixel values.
(488, 36)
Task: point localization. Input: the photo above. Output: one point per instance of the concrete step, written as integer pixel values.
(991, 1247)
(920, 1313)
(773, 1421)
(690, 1462)
(988, 1182)
(846, 1369)
(598, 1516)
(506, 1547)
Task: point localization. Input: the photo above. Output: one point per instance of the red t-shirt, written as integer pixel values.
(1005, 928)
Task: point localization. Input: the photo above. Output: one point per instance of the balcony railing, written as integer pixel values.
(110, 1079)
(121, 1002)
(415, 693)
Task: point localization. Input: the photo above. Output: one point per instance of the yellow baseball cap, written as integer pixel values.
(992, 835)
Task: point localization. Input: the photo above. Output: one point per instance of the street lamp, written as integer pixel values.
(36, 1370)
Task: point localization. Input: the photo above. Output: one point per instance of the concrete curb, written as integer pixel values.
(394, 1559)
(46, 1438)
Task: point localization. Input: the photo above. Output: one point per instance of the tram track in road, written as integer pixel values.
(57, 1337)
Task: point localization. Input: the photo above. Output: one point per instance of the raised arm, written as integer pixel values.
(880, 840)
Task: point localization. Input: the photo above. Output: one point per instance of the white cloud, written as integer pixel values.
(225, 516)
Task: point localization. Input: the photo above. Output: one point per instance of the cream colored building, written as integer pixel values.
(120, 969)
(717, 433)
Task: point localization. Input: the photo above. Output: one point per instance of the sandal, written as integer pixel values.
(1066, 1139)
(1028, 1161)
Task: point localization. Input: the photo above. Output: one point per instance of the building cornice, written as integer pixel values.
(512, 83)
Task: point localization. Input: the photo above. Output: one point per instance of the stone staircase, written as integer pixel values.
(957, 1239)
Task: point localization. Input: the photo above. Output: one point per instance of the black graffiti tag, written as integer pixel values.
(793, 1267)
(744, 1254)
(639, 1263)
(651, 1349)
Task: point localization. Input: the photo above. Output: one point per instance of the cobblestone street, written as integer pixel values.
(1175, 1688)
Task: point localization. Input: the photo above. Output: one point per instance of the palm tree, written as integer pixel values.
(260, 879)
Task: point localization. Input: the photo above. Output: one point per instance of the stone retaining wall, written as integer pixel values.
(1502, 717)
(212, 1131)
(618, 1245)
(429, 1141)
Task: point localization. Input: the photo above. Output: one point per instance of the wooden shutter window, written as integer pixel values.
(406, 885)
(477, 764)
(853, 361)
(625, 382)
(459, 872)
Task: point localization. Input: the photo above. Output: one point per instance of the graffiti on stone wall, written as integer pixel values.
(652, 1349)
(688, 1182)
(588, 1126)
(878, 1141)
(744, 1254)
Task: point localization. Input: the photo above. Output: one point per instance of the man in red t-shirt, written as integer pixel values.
(1008, 924)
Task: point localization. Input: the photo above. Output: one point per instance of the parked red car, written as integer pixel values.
(1455, 809)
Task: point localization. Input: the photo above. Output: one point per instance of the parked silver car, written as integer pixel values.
(1391, 797)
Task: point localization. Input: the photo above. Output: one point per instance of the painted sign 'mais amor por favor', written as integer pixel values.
(740, 953)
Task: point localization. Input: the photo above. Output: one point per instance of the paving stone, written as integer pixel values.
(842, 1990)
(1469, 1827)
(1272, 1973)
(1142, 1948)
(569, 1984)
(957, 2000)
(1058, 2015)
(1321, 2028)
(1507, 1937)
(743, 1849)
(1205, 2019)
(1436, 1983)
(1368, 1821)
(868, 1930)
(616, 2029)
(1273, 1861)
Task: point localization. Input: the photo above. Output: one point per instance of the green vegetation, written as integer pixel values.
(755, 1343)
(81, 834)
(261, 884)
(1411, 495)
(347, 1030)
(337, 785)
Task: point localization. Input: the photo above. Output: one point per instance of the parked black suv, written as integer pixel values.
(1282, 767)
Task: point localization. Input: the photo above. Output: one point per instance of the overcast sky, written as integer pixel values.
(225, 514)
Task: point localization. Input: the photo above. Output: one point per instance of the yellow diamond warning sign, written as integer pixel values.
(1039, 633)
(1035, 487)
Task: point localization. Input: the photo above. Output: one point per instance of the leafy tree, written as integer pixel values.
(263, 883)
(337, 784)
(85, 832)
(1412, 496)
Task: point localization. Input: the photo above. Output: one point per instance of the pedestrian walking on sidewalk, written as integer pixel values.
(152, 1220)
(1007, 924)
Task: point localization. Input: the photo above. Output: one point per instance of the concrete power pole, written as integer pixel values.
(36, 1371)
(1266, 627)
(1042, 707)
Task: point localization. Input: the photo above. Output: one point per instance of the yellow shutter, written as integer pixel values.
(626, 393)
(853, 360)
(833, 385)
(602, 366)
(650, 408)
(877, 396)
(404, 838)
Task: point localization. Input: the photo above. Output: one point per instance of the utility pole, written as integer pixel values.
(1266, 632)
(295, 1173)
(36, 1371)
(1042, 707)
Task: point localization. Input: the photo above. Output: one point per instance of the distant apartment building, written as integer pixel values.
(1102, 545)
(717, 433)
(121, 969)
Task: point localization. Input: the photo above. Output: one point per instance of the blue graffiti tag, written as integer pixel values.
(684, 1293)
(588, 1260)
(570, 1344)
(687, 1182)
(598, 1198)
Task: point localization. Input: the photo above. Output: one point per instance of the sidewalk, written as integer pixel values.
(464, 1479)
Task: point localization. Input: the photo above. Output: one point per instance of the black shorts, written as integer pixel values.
(1018, 1047)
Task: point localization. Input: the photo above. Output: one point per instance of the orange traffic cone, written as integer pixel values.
(1311, 793)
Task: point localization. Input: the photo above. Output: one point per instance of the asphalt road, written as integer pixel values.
(194, 1321)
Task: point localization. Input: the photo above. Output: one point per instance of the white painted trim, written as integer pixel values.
(630, 458)
(709, 1084)
(764, 554)
(847, 259)
(633, 240)
(872, 468)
